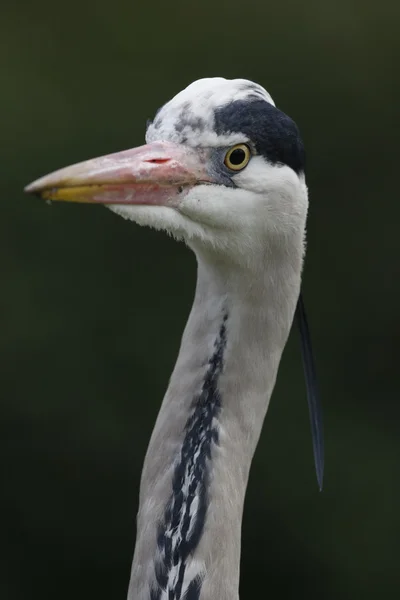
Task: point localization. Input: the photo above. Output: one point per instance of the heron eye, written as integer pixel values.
(237, 157)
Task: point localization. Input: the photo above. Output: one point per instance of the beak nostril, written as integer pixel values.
(158, 161)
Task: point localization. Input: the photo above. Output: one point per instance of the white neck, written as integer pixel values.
(197, 464)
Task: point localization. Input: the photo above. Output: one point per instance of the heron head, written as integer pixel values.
(222, 168)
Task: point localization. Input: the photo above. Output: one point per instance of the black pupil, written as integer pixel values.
(237, 156)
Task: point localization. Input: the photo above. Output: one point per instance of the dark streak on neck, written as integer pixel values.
(192, 469)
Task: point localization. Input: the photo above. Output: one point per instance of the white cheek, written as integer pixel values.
(284, 192)
(264, 192)
(219, 206)
(261, 177)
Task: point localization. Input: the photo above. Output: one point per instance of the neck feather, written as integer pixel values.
(197, 465)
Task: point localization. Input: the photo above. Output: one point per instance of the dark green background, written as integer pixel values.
(92, 307)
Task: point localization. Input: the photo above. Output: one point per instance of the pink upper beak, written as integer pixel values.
(155, 174)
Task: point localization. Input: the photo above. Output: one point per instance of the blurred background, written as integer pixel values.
(92, 306)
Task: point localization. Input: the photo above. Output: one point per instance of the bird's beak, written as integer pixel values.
(154, 174)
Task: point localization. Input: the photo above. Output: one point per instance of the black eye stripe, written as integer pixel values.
(274, 135)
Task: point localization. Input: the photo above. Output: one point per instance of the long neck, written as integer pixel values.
(197, 464)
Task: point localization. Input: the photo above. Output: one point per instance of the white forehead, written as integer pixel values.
(189, 116)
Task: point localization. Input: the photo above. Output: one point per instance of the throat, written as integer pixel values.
(196, 468)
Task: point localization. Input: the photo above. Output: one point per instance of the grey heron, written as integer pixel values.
(222, 170)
